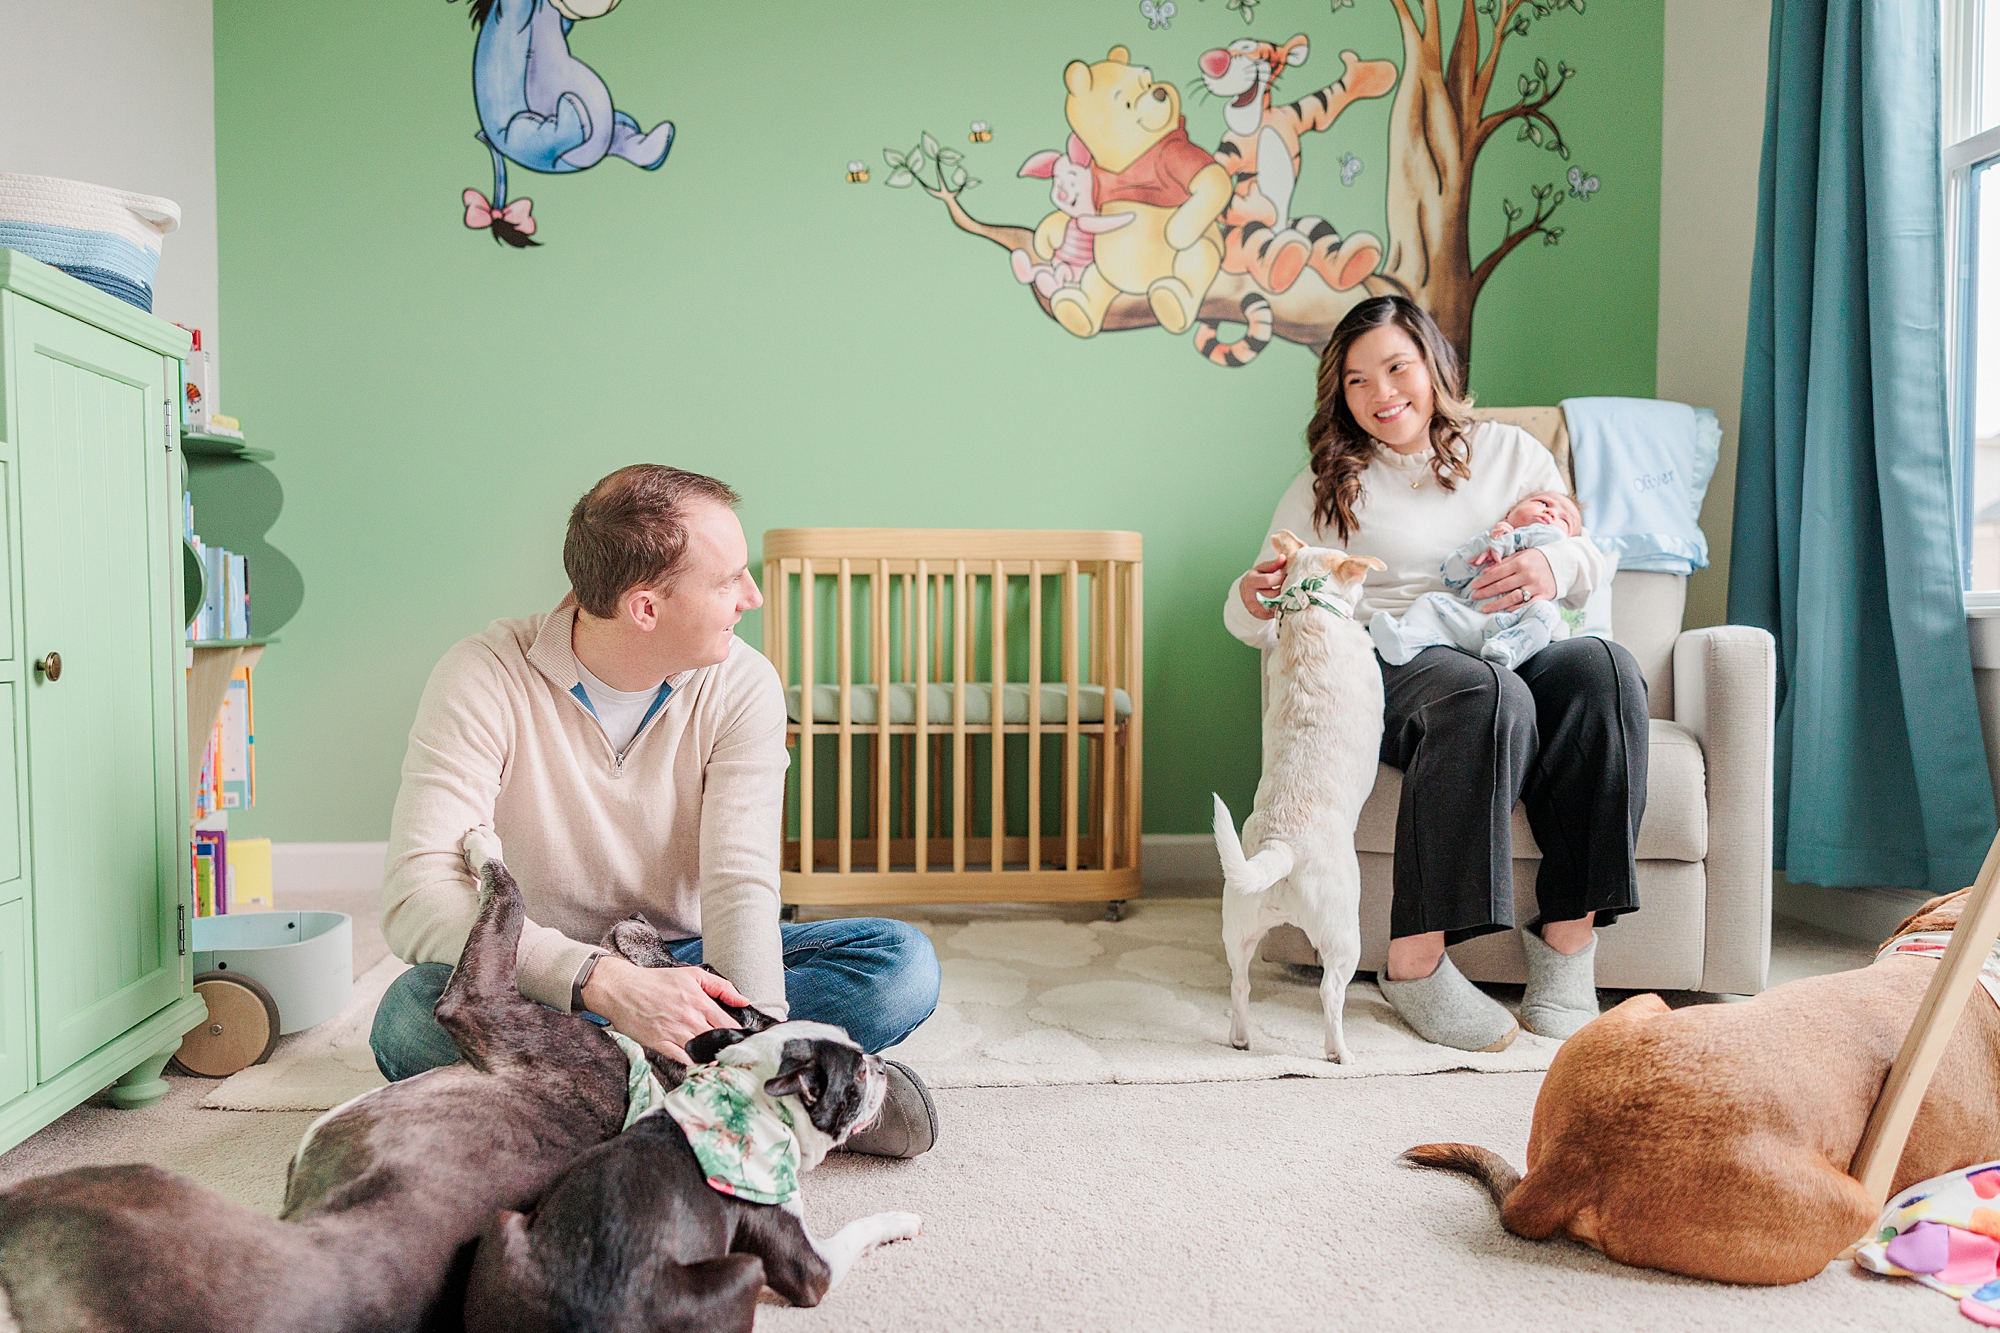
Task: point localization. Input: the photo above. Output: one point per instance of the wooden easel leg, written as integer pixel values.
(1888, 1131)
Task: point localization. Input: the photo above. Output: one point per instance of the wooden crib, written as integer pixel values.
(958, 745)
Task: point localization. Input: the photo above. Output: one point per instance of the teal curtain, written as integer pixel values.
(1846, 541)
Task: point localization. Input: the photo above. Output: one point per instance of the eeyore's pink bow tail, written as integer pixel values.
(512, 223)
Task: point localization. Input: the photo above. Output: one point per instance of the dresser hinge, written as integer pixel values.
(167, 415)
(181, 925)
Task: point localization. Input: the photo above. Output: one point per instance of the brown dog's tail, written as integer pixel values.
(1482, 1164)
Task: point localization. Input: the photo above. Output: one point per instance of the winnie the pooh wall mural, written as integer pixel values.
(1153, 230)
(543, 109)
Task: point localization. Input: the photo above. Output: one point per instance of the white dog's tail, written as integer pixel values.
(1242, 874)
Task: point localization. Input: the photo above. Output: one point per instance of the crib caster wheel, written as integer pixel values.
(1114, 911)
(788, 912)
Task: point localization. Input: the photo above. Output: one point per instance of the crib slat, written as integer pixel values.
(844, 801)
(1034, 715)
(1107, 631)
(922, 746)
(938, 744)
(909, 674)
(1135, 672)
(1070, 613)
(806, 600)
(961, 607)
(879, 670)
(998, 829)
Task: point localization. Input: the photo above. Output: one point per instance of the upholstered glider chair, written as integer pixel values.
(1704, 852)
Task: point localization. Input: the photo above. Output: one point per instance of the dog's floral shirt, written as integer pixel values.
(742, 1137)
(1945, 1233)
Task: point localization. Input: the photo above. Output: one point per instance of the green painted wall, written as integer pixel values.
(840, 353)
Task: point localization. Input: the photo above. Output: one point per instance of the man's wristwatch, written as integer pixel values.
(582, 977)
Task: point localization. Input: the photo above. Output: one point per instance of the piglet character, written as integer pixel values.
(1075, 198)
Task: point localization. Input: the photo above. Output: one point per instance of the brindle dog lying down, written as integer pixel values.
(1715, 1140)
(635, 1237)
(385, 1196)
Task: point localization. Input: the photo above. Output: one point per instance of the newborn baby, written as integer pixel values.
(1449, 619)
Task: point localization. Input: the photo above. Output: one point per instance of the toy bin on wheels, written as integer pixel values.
(264, 975)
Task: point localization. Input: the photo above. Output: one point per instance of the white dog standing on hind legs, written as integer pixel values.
(1322, 736)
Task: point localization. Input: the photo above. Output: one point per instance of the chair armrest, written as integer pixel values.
(1726, 693)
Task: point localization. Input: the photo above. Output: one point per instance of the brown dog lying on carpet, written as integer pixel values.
(386, 1196)
(1715, 1140)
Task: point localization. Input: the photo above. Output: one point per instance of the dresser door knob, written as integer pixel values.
(51, 667)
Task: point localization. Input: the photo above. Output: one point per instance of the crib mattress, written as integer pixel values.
(978, 704)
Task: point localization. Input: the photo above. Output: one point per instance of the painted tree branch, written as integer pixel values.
(1528, 108)
(1547, 200)
(1306, 314)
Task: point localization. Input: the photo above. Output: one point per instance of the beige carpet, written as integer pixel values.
(1035, 999)
(1268, 1206)
(1272, 1206)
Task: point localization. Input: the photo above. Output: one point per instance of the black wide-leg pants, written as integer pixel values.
(1564, 734)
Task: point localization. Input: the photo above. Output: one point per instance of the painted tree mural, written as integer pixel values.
(1440, 123)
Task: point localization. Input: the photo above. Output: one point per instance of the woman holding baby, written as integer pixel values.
(1487, 701)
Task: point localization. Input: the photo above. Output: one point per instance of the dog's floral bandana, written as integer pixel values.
(643, 1090)
(742, 1138)
(1312, 590)
(1945, 1233)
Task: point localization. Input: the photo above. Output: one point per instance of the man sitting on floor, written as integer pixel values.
(629, 753)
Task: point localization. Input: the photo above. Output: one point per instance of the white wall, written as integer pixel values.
(121, 93)
(1713, 132)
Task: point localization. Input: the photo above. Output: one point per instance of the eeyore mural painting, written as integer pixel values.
(542, 108)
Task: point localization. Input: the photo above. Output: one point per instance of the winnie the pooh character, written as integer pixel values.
(1144, 166)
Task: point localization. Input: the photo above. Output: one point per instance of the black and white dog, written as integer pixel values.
(386, 1195)
(635, 1237)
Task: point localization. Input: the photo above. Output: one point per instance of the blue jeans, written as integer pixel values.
(876, 978)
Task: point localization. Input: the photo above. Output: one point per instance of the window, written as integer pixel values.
(1971, 124)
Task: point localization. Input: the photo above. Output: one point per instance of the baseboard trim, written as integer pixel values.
(1172, 865)
(1179, 865)
(319, 867)
(1862, 914)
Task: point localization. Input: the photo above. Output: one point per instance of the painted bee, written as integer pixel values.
(857, 171)
(980, 134)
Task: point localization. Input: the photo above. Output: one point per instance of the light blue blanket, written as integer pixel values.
(1642, 467)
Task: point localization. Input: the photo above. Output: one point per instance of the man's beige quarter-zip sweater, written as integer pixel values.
(682, 827)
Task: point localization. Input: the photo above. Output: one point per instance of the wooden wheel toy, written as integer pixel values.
(241, 1030)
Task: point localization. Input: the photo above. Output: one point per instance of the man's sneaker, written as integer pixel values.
(908, 1123)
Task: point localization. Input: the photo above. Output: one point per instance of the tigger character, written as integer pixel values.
(1144, 166)
(1261, 152)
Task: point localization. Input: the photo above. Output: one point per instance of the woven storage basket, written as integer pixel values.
(108, 238)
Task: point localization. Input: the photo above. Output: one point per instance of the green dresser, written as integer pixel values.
(94, 970)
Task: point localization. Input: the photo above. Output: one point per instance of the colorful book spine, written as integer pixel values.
(237, 736)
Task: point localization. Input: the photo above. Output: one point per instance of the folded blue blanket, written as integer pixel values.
(1642, 468)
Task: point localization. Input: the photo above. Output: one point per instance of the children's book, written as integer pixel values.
(250, 875)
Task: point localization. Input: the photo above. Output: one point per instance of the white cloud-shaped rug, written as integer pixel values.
(1032, 1000)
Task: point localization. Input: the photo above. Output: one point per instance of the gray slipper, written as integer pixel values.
(1447, 1009)
(1562, 987)
(907, 1126)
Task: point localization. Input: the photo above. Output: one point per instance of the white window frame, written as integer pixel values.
(1963, 153)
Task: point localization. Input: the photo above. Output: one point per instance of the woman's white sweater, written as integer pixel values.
(1410, 523)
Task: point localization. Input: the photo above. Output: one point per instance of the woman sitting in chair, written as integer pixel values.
(1399, 471)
